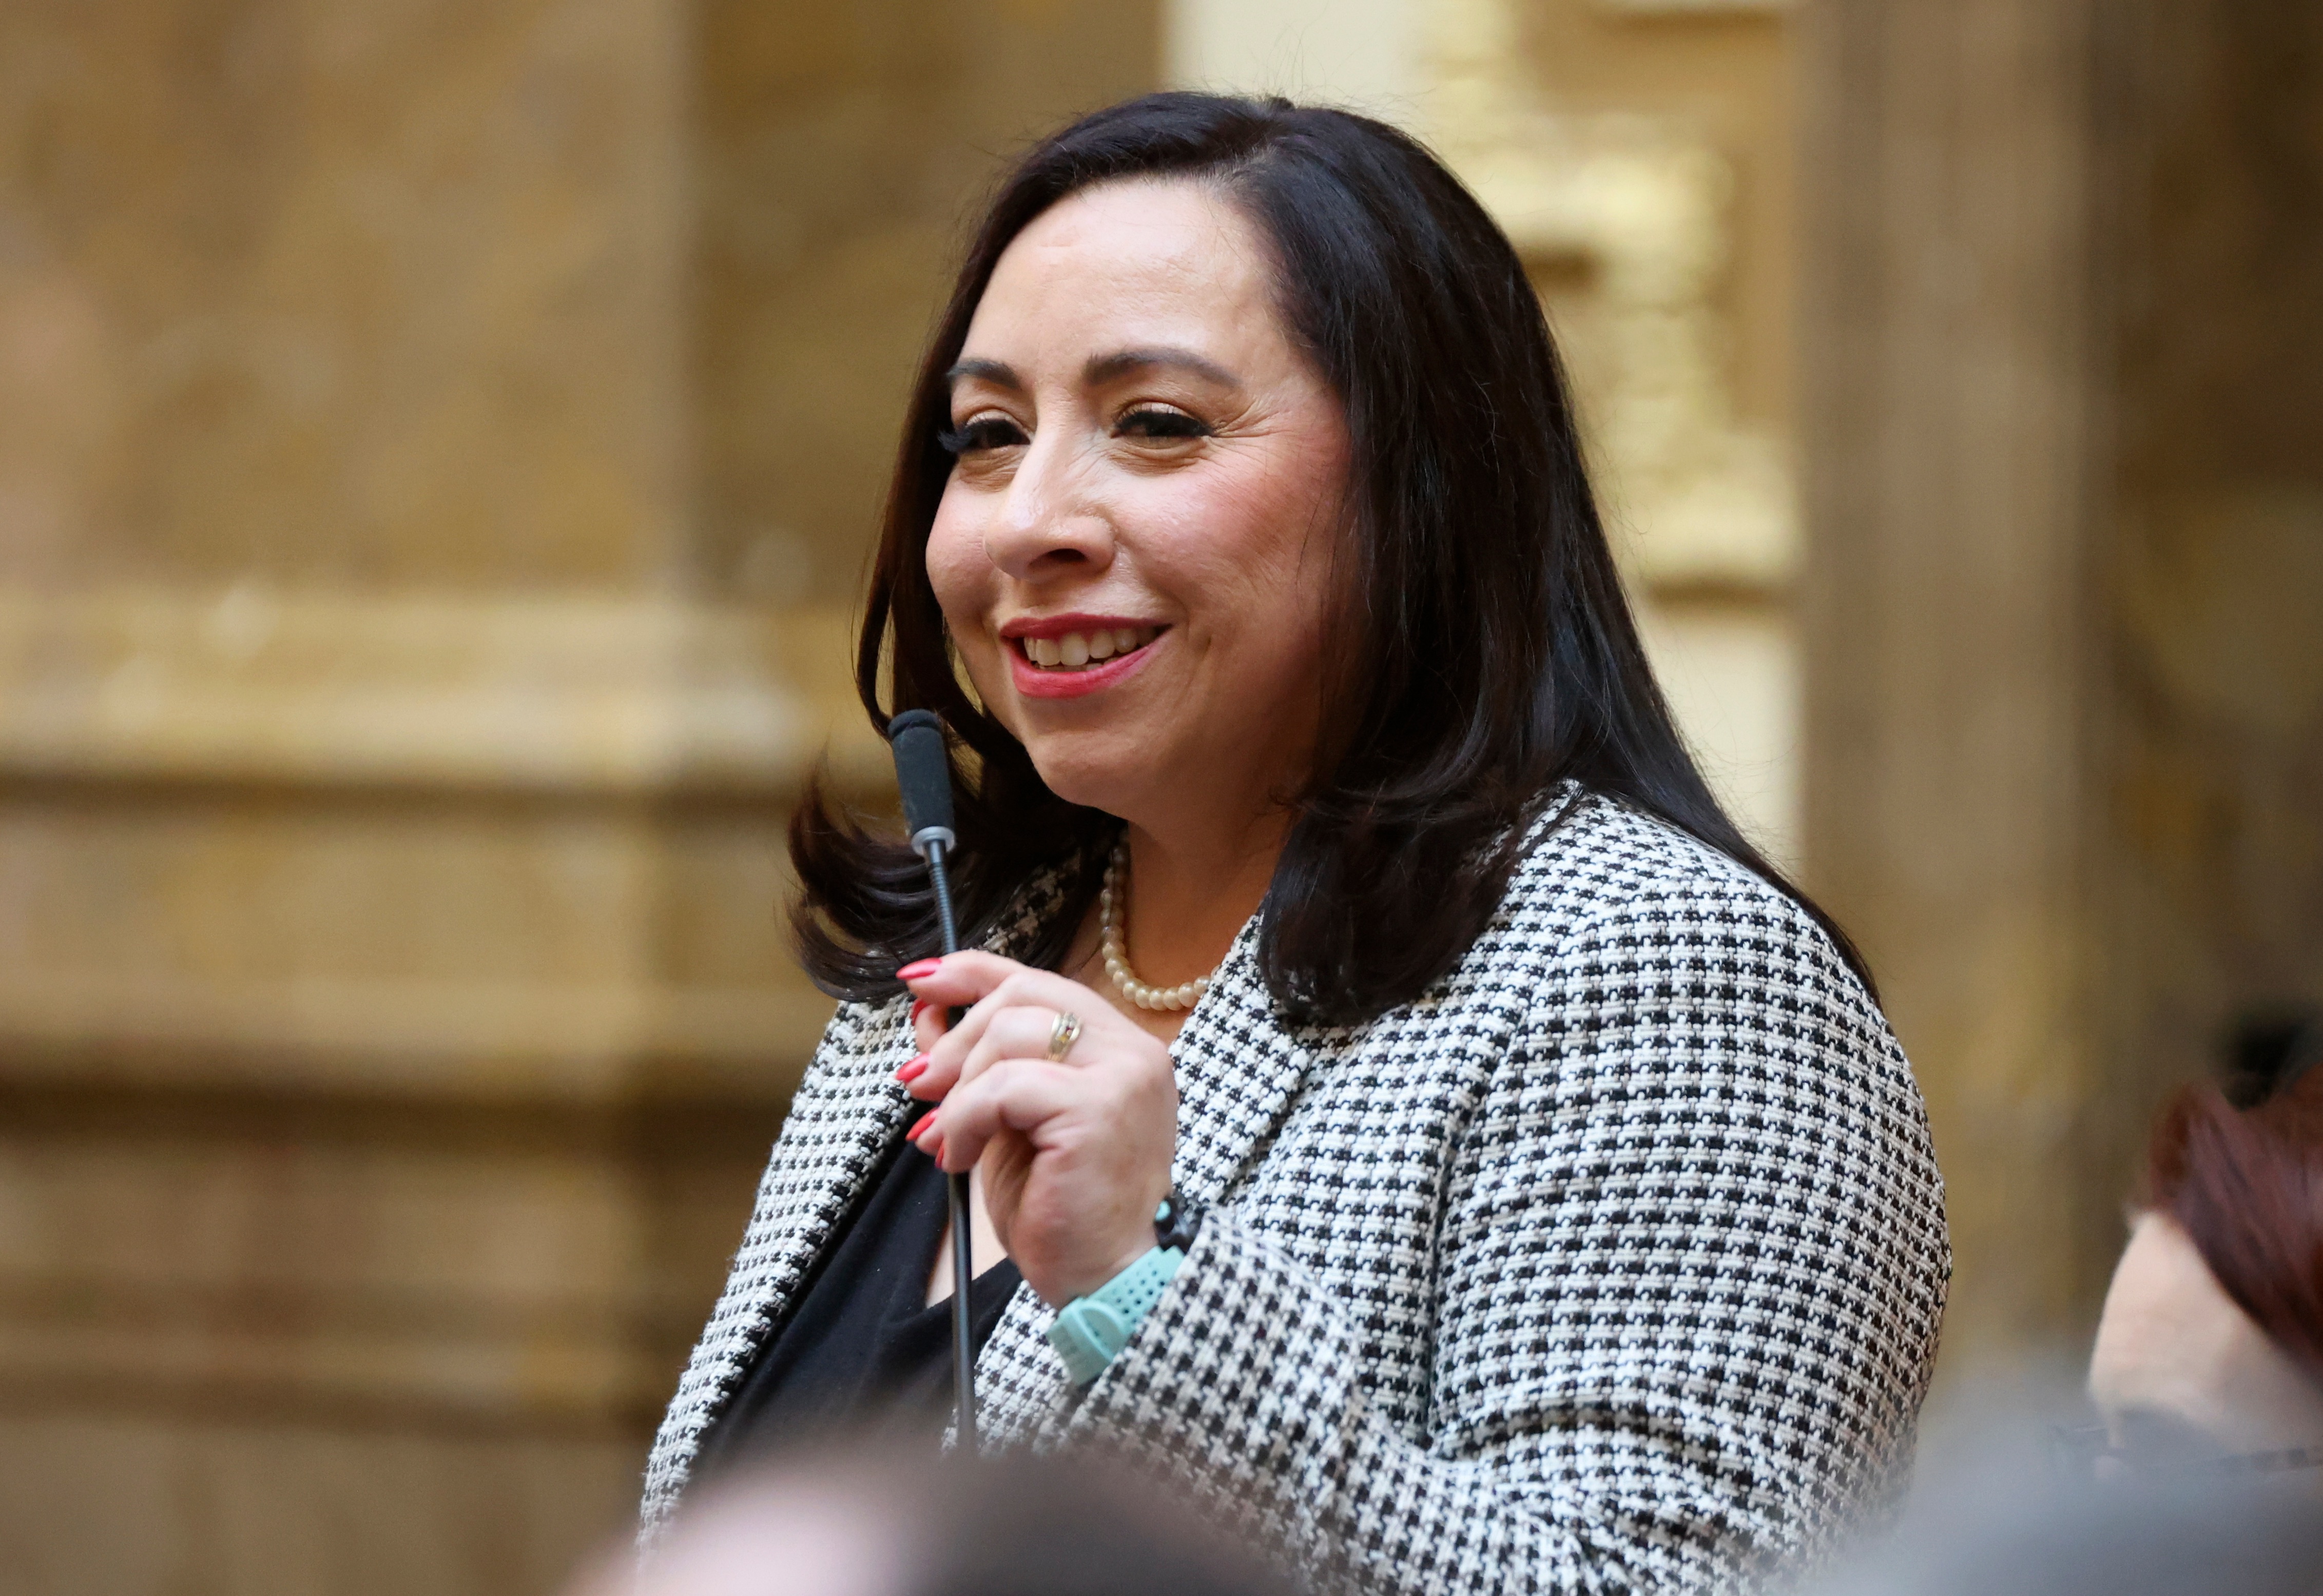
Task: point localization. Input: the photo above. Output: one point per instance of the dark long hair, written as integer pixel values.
(1483, 649)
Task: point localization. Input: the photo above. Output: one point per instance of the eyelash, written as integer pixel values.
(996, 432)
(1166, 424)
(977, 435)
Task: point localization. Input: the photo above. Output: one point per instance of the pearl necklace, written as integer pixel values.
(1112, 900)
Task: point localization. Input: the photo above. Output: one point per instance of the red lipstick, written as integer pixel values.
(1033, 681)
(1057, 626)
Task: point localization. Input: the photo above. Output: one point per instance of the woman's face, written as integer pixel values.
(1132, 552)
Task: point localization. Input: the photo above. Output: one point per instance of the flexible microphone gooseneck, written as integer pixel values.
(923, 774)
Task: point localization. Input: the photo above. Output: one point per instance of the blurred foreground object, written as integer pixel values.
(2142, 1538)
(2000, 1510)
(884, 1525)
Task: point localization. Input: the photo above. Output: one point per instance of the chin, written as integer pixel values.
(1095, 772)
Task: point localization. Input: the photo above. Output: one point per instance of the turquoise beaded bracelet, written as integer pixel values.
(1090, 1330)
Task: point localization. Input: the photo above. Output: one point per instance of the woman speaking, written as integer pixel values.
(1548, 1205)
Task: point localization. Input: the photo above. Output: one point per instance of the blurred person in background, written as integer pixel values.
(852, 1522)
(1548, 1205)
(2209, 1355)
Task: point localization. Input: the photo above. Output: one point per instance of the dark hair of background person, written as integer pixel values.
(1482, 648)
(2246, 1186)
(2269, 1048)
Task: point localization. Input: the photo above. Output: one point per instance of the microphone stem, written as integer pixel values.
(963, 1258)
(943, 895)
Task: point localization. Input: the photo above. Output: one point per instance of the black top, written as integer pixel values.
(863, 1349)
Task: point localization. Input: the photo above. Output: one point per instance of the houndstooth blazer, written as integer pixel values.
(1614, 1262)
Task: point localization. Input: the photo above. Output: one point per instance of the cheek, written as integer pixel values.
(966, 586)
(1259, 550)
(959, 571)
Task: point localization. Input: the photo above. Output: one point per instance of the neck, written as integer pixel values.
(1191, 891)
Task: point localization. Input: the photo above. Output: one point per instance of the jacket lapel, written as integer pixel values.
(846, 1111)
(842, 1115)
(839, 1125)
(1239, 1071)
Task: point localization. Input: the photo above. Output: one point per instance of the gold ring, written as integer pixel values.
(1066, 1031)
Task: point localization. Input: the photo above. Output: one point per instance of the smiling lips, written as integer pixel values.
(1074, 650)
(1076, 655)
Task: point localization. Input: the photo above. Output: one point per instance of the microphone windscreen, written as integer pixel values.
(922, 773)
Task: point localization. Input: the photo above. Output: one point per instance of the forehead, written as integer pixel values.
(1129, 263)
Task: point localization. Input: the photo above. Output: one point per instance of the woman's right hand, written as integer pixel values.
(1075, 1153)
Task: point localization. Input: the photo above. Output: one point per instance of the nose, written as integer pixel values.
(1051, 521)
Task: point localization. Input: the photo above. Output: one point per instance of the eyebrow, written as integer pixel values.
(1101, 368)
(999, 374)
(1104, 368)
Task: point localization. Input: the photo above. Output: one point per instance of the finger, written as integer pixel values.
(1041, 990)
(1017, 1030)
(927, 1023)
(964, 980)
(957, 979)
(937, 987)
(930, 1019)
(1019, 1095)
(1027, 1030)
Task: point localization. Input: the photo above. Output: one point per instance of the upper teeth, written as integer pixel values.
(1076, 649)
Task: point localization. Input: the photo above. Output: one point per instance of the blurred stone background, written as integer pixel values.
(437, 449)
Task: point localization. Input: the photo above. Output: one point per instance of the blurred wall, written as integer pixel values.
(2213, 626)
(1705, 515)
(437, 445)
(2066, 567)
(841, 150)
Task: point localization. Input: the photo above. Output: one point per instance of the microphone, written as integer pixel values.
(923, 777)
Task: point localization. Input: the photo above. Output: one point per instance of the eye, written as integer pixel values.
(981, 434)
(1151, 421)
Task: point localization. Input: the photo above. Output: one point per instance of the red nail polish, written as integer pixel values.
(924, 1120)
(918, 1005)
(914, 1069)
(919, 969)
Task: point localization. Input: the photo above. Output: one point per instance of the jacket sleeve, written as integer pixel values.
(1689, 1272)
